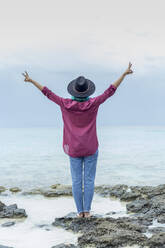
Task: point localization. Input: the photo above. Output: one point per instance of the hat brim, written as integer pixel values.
(71, 89)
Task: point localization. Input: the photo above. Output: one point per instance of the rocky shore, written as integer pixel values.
(145, 205)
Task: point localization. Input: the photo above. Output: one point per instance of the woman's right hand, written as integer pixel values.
(27, 78)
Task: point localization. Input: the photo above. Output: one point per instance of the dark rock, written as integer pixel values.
(63, 245)
(71, 215)
(42, 225)
(108, 239)
(113, 191)
(141, 206)
(19, 212)
(36, 191)
(157, 241)
(12, 211)
(129, 196)
(57, 192)
(161, 218)
(3, 246)
(12, 207)
(54, 186)
(142, 190)
(111, 213)
(145, 220)
(158, 205)
(45, 226)
(158, 190)
(2, 189)
(149, 191)
(156, 229)
(105, 232)
(11, 223)
(2, 205)
(149, 208)
(118, 190)
(103, 190)
(15, 189)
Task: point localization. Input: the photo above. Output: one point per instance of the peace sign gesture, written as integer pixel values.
(128, 71)
(27, 78)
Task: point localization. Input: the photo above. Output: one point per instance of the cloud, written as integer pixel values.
(65, 34)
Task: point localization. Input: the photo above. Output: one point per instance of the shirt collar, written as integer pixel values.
(82, 99)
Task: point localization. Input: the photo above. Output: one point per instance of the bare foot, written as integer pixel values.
(87, 214)
(80, 215)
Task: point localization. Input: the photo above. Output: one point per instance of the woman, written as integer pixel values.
(80, 141)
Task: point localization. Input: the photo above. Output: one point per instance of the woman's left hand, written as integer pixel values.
(128, 71)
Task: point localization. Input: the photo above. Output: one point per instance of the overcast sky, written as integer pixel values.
(57, 41)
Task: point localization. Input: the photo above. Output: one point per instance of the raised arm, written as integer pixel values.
(47, 92)
(120, 79)
(28, 79)
(112, 88)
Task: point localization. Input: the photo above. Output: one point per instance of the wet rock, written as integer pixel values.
(3, 246)
(71, 215)
(158, 190)
(54, 186)
(149, 208)
(45, 226)
(118, 190)
(157, 241)
(161, 218)
(145, 220)
(42, 225)
(111, 239)
(32, 192)
(15, 189)
(12, 211)
(149, 191)
(52, 193)
(103, 190)
(11, 207)
(64, 245)
(158, 205)
(7, 224)
(142, 190)
(2, 205)
(129, 196)
(146, 217)
(157, 229)
(56, 191)
(2, 189)
(111, 213)
(59, 191)
(141, 206)
(113, 191)
(19, 213)
(104, 232)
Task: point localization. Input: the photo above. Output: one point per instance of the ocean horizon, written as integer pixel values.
(33, 156)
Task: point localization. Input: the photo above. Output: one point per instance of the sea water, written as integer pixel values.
(132, 155)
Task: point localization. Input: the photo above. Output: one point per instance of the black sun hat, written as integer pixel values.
(81, 87)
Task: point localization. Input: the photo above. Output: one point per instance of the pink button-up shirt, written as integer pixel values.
(79, 118)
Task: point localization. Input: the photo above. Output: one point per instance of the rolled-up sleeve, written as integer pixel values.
(107, 93)
(52, 96)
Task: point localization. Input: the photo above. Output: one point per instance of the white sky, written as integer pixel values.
(104, 32)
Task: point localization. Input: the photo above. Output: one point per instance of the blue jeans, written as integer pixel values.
(83, 175)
